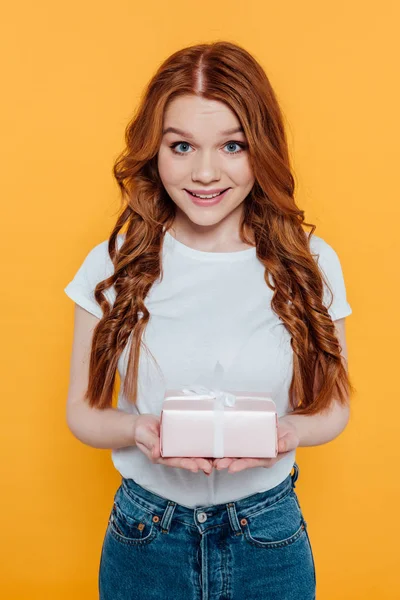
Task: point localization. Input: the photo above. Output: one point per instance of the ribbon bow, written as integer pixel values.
(222, 398)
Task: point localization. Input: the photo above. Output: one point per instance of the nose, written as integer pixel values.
(205, 168)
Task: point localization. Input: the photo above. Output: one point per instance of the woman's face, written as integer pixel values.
(207, 155)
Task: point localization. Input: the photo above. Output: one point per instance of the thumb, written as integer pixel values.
(149, 438)
(288, 442)
(155, 451)
(283, 444)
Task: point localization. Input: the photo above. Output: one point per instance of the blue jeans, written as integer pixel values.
(253, 549)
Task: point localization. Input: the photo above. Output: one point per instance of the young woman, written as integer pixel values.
(213, 264)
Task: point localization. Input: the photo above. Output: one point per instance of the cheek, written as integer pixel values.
(242, 173)
(171, 171)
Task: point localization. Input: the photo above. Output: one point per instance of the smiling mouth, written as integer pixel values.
(212, 195)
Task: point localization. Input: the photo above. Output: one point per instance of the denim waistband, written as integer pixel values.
(206, 516)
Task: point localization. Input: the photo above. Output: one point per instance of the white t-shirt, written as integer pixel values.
(208, 307)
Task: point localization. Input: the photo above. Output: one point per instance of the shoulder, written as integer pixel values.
(329, 265)
(98, 258)
(96, 266)
(324, 253)
(319, 246)
(100, 250)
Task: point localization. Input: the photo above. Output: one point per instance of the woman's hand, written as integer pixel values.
(288, 440)
(147, 438)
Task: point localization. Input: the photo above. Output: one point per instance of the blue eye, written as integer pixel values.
(241, 145)
(173, 146)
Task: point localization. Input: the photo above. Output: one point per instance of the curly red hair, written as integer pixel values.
(225, 72)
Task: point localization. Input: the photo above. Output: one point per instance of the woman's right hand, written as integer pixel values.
(147, 438)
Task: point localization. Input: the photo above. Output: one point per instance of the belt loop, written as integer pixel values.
(295, 474)
(167, 516)
(233, 518)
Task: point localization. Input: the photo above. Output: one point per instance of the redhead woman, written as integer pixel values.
(209, 260)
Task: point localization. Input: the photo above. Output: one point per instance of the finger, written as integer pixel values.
(146, 451)
(151, 440)
(155, 452)
(248, 463)
(204, 463)
(194, 464)
(223, 463)
(190, 463)
(281, 445)
(240, 464)
(286, 444)
(185, 463)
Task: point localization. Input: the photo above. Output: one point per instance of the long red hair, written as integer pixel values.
(225, 72)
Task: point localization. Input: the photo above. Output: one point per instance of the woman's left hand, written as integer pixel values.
(288, 440)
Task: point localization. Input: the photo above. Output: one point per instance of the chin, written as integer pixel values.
(205, 220)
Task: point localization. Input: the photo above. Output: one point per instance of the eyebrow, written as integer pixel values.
(188, 135)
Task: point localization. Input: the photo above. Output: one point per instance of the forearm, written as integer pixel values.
(314, 430)
(108, 428)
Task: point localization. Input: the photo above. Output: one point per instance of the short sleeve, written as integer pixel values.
(329, 264)
(96, 266)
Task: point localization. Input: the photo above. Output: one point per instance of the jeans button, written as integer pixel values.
(201, 517)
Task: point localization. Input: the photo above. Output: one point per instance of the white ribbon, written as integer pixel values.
(222, 398)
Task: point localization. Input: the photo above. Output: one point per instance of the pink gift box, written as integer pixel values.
(194, 425)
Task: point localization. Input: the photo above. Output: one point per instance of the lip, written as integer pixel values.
(208, 192)
(209, 202)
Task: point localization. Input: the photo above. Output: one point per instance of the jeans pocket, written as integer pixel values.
(277, 525)
(130, 522)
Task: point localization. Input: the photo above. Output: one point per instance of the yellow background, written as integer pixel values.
(72, 74)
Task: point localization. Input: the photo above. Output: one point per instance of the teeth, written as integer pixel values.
(206, 197)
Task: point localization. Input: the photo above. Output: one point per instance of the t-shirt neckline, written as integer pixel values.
(202, 255)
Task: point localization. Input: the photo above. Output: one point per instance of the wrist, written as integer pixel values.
(290, 433)
(131, 428)
(289, 419)
(318, 428)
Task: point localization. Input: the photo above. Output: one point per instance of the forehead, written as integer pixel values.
(193, 113)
